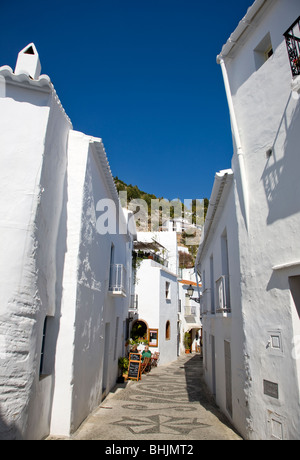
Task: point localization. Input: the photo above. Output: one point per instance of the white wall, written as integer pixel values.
(168, 312)
(188, 274)
(228, 326)
(87, 305)
(267, 117)
(169, 241)
(55, 265)
(155, 309)
(29, 120)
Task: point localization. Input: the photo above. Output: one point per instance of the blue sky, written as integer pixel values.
(142, 75)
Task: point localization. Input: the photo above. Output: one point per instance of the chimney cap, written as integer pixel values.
(28, 62)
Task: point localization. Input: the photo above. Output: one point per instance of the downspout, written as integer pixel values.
(198, 289)
(197, 281)
(236, 134)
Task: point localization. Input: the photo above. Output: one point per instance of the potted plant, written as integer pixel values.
(187, 342)
(123, 366)
(296, 61)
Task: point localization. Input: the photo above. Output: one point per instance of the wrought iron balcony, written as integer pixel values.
(292, 38)
(118, 279)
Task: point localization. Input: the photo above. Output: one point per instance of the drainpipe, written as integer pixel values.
(236, 134)
(197, 281)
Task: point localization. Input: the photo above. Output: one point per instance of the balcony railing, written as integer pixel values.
(223, 296)
(118, 279)
(190, 311)
(292, 38)
(134, 303)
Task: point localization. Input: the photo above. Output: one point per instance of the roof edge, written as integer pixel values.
(24, 80)
(243, 25)
(222, 179)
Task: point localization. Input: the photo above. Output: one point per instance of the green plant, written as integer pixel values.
(123, 365)
(138, 332)
(187, 340)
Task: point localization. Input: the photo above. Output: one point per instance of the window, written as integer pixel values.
(111, 263)
(212, 287)
(224, 286)
(179, 305)
(263, 51)
(294, 282)
(168, 290)
(116, 338)
(268, 53)
(205, 350)
(168, 330)
(47, 352)
(43, 348)
(228, 377)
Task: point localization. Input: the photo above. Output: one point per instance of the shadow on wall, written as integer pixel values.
(281, 175)
(8, 432)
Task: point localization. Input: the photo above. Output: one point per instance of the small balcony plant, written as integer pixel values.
(296, 62)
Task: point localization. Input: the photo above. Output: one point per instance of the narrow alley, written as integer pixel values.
(170, 403)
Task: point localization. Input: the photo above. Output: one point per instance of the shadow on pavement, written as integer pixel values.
(198, 391)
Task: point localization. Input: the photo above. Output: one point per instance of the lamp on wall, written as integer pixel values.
(190, 291)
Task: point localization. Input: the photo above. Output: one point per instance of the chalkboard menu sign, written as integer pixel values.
(134, 366)
(135, 357)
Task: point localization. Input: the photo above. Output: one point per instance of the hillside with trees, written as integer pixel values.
(134, 193)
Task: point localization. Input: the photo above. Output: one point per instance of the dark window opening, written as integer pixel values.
(294, 282)
(263, 51)
(29, 50)
(43, 347)
(168, 330)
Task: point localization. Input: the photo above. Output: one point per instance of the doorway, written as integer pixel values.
(213, 364)
(139, 331)
(105, 372)
(228, 379)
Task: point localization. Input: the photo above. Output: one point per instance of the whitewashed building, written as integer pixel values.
(64, 279)
(189, 308)
(156, 292)
(249, 257)
(179, 225)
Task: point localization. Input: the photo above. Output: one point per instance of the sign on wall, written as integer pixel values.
(153, 337)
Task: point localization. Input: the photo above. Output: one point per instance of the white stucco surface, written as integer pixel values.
(34, 132)
(87, 305)
(267, 115)
(62, 330)
(153, 306)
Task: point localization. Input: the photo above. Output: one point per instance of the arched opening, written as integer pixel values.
(168, 330)
(139, 330)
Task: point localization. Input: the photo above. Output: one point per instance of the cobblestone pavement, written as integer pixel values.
(170, 403)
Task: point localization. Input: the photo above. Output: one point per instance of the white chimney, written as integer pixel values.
(28, 62)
